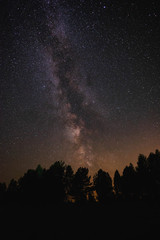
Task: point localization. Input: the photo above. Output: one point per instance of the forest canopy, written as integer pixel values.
(60, 184)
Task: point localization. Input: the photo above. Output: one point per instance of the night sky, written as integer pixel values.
(79, 82)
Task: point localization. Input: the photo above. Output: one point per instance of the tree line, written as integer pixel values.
(60, 184)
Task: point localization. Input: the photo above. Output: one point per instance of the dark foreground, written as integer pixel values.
(122, 220)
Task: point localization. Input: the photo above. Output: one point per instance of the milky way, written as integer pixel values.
(79, 82)
(73, 98)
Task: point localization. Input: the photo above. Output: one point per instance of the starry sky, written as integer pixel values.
(79, 82)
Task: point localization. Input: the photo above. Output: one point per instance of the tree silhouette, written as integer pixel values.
(12, 191)
(3, 189)
(154, 171)
(141, 163)
(54, 187)
(39, 171)
(29, 186)
(81, 185)
(13, 186)
(68, 181)
(103, 186)
(59, 184)
(143, 176)
(117, 182)
(129, 186)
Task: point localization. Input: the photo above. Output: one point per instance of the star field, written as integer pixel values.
(79, 82)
